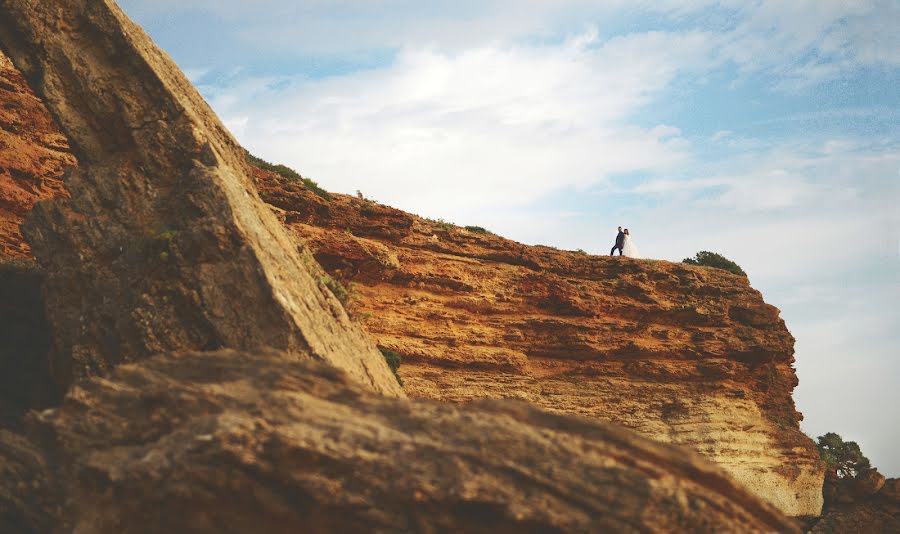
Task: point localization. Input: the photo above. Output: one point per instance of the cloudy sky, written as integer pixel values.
(767, 131)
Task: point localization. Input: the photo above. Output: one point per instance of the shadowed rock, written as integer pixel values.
(229, 441)
(30, 498)
(164, 244)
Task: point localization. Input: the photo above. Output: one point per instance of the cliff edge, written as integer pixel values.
(682, 354)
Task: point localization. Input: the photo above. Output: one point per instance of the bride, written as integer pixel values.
(630, 249)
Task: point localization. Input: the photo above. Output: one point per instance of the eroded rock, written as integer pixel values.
(31, 500)
(164, 244)
(683, 354)
(232, 441)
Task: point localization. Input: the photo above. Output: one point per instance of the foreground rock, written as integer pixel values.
(238, 442)
(163, 245)
(869, 503)
(31, 499)
(682, 354)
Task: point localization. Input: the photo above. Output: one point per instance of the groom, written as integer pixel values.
(620, 243)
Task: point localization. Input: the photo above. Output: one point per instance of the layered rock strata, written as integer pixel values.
(231, 441)
(164, 244)
(33, 157)
(682, 354)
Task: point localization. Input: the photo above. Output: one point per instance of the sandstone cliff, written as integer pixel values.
(681, 354)
(33, 156)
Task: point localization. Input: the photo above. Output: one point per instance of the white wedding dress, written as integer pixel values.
(630, 249)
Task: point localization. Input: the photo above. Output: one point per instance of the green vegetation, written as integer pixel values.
(478, 230)
(581, 251)
(342, 293)
(393, 360)
(167, 235)
(843, 459)
(442, 224)
(718, 261)
(287, 172)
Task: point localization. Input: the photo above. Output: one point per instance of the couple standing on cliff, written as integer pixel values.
(625, 245)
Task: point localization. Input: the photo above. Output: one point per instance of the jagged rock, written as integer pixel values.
(869, 517)
(868, 483)
(867, 503)
(891, 490)
(232, 441)
(164, 244)
(30, 499)
(34, 154)
(683, 354)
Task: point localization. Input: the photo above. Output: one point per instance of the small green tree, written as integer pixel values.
(711, 259)
(843, 459)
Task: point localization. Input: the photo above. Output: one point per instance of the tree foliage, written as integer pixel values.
(712, 259)
(843, 459)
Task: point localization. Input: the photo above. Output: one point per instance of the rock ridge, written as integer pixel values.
(163, 234)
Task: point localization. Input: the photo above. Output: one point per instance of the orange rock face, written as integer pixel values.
(683, 354)
(33, 157)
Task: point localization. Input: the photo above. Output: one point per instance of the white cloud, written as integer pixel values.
(443, 132)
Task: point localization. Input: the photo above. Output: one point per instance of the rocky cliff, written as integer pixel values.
(163, 234)
(681, 354)
(34, 154)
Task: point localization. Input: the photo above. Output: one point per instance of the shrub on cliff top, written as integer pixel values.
(711, 259)
(286, 172)
(843, 459)
(478, 230)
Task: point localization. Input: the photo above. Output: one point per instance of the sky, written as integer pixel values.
(766, 131)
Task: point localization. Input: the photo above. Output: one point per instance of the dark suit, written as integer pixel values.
(620, 243)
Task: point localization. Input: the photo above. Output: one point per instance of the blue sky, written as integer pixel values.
(767, 131)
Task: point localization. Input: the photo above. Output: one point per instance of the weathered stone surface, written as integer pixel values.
(891, 490)
(31, 501)
(682, 354)
(869, 517)
(33, 157)
(164, 244)
(867, 503)
(869, 482)
(229, 441)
